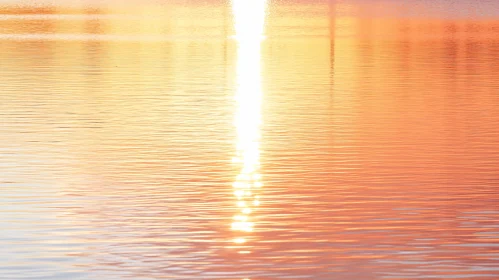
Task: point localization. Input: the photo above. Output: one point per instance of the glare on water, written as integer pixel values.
(249, 139)
(249, 21)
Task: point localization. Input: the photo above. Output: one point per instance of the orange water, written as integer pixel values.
(364, 138)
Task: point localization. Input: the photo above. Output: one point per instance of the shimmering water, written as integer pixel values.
(359, 140)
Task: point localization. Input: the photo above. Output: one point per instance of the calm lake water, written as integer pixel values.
(358, 140)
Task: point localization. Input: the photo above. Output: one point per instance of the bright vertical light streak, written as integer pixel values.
(249, 20)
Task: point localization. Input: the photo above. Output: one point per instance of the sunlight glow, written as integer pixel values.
(240, 240)
(249, 20)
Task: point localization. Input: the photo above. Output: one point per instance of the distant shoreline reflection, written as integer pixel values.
(249, 19)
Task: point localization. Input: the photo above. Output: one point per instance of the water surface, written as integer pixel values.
(147, 142)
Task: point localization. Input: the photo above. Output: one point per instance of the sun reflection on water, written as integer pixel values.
(249, 19)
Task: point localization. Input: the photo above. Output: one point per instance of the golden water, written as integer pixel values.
(175, 141)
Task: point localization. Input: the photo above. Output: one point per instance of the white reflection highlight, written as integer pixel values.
(249, 19)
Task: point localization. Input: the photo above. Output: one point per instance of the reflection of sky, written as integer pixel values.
(249, 21)
(420, 8)
(397, 8)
